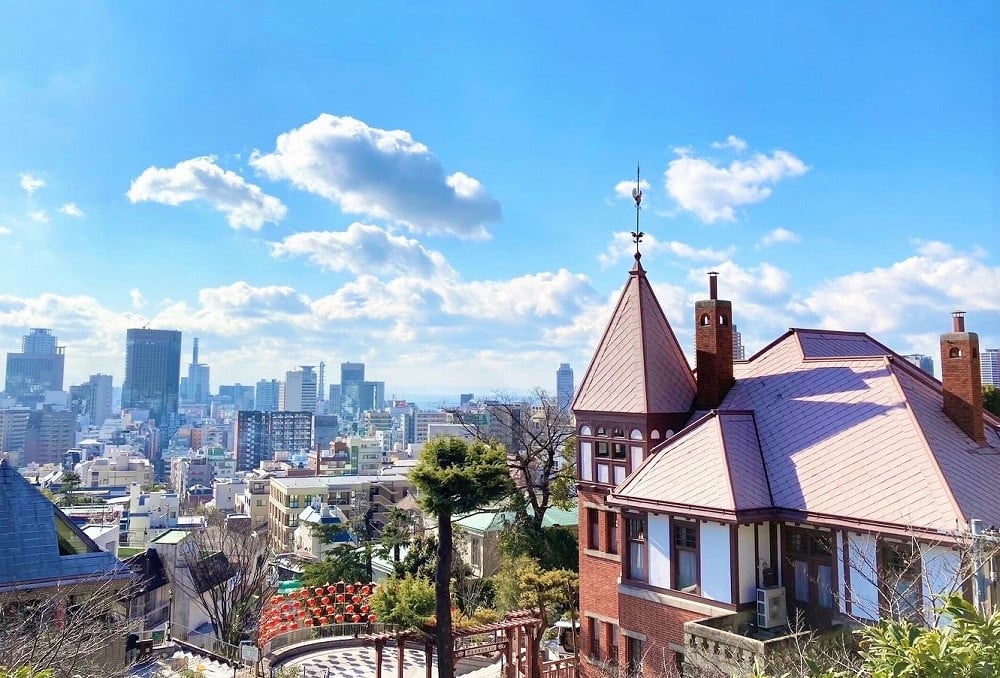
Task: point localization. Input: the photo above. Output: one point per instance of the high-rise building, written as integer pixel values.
(48, 434)
(466, 398)
(299, 391)
(989, 366)
(36, 369)
(93, 399)
(13, 426)
(564, 387)
(198, 378)
(252, 439)
(739, 353)
(334, 399)
(152, 372)
(352, 375)
(371, 396)
(326, 428)
(242, 397)
(266, 397)
(924, 362)
(291, 431)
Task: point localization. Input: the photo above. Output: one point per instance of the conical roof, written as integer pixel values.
(638, 367)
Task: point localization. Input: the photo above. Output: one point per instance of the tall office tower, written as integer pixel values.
(321, 389)
(152, 372)
(466, 398)
(739, 353)
(326, 428)
(371, 396)
(266, 397)
(49, 433)
(924, 362)
(352, 375)
(300, 390)
(291, 431)
(36, 369)
(13, 426)
(242, 397)
(93, 399)
(564, 387)
(334, 398)
(989, 365)
(197, 380)
(252, 439)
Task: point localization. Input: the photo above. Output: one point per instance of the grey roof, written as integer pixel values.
(33, 531)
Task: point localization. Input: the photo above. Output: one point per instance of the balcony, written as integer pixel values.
(731, 643)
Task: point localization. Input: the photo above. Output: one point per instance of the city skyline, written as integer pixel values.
(475, 211)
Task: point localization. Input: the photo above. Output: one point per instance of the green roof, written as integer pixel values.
(170, 537)
(489, 520)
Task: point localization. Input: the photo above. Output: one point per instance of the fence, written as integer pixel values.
(327, 631)
(560, 668)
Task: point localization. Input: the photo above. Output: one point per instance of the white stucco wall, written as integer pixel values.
(586, 460)
(716, 578)
(748, 564)
(864, 592)
(940, 573)
(658, 532)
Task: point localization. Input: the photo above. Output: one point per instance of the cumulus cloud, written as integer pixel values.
(240, 308)
(712, 192)
(779, 235)
(71, 210)
(39, 216)
(935, 280)
(136, 296)
(363, 249)
(383, 174)
(559, 295)
(31, 183)
(4, 230)
(622, 246)
(201, 179)
(733, 142)
(623, 189)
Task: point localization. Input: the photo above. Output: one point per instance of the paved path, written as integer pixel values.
(359, 662)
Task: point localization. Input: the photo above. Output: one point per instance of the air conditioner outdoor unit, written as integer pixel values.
(771, 610)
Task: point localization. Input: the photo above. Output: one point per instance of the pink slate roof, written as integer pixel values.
(846, 429)
(638, 366)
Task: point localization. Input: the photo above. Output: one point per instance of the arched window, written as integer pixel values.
(601, 431)
(585, 430)
(955, 352)
(636, 434)
(669, 433)
(654, 434)
(722, 320)
(618, 432)
(705, 320)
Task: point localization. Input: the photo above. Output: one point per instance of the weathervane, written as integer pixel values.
(637, 196)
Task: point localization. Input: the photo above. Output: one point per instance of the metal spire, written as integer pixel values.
(637, 196)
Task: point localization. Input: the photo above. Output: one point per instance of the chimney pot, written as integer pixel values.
(958, 321)
(713, 285)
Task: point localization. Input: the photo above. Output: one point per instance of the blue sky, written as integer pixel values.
(436, 191)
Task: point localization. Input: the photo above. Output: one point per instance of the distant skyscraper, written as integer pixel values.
(13, 427)
(36, 369)
(924, 362)
(352, 375)
(466, 398)
(198, 378)
(372, 396)
(152, 372)
(49, 433)
(242, 397)
(252, 439)
(266, 397)
(300, 391)
(739, 353)
(564, 386)
(93, 399)
(989, 364)
(334, 398)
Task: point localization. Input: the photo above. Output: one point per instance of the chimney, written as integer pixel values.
(714, 346)
(961, 379)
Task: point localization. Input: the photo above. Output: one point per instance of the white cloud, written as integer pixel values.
(71, 210)
(39, 216)
(383, 174)
(559, 295)
(623, 189)
(363, 249)
(201, 179)
(136, 296)
(713, 192)
(30, 183)
(733, 142)
(4, 230)
(779, 235)
(924, 287)
(622, 246)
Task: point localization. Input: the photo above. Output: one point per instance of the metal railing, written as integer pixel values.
(324, 632)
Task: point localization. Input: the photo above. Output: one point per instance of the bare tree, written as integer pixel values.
(66, 629)
(230, 578)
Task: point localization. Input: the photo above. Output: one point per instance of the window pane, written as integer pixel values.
(612, 533)
(637, 560)
(687, 570)
(801, 581)
(824, 582)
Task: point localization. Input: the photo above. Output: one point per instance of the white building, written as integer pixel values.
(225, 492)
(149, 514)
(309, 540)
(300, 390)
(120, 466)
(989, 364)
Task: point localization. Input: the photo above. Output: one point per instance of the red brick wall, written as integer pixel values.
(714, 351)
(962, 383)
(662, 625)
(598, 580)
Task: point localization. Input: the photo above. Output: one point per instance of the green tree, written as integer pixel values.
(420, 559)
(340, 564)
(523, 584)
(405, 603)
(397, 532)
(454, 477)
(69, 483)
(991, 399)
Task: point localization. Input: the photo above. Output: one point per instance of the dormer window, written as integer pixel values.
(585, 431)
(601, 431)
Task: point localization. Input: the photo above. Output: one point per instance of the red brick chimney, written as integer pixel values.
(714, 346)
(961, 379)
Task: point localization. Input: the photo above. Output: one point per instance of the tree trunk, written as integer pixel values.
(442, 584)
